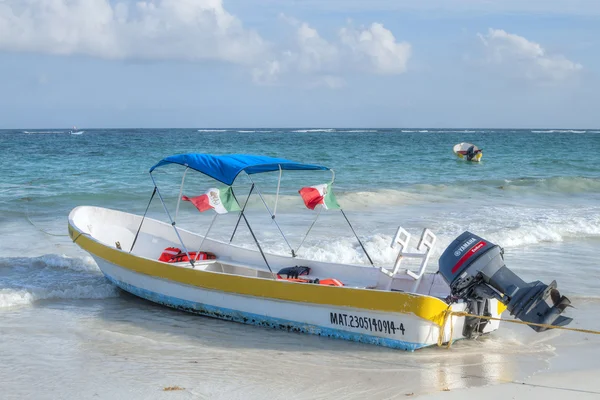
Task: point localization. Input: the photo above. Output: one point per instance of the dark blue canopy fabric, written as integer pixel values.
(227, 167)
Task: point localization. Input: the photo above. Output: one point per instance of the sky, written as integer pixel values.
(299, 63)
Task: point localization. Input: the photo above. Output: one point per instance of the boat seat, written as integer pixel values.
(228, 261)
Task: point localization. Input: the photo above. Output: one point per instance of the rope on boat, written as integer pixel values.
(449, 313)
(77, 237)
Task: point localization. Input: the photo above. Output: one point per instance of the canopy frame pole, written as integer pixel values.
(142, 221)
(277, 194)
(309, 229)
(205, 236)
(180, 192)
(241, 212)
(172, 222)
(254, 236)
(272, 217)
(359, 242)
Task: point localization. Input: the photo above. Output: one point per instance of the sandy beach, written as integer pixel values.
(572, 371)
(127, 348)
(575, 384)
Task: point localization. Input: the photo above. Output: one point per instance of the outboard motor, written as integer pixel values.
(475, 270)
(471, 153)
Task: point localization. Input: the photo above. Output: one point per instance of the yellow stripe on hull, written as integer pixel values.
(477, 157)
(425, 307)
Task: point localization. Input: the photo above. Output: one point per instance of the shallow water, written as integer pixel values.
(66, 332)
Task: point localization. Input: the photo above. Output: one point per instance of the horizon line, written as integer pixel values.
(303, 127)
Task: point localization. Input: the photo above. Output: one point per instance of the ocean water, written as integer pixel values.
(536, 193)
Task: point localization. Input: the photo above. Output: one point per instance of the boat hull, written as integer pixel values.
(476, 158)
(395, 319)
(394, 330)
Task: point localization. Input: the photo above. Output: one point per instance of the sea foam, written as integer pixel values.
(52, 276)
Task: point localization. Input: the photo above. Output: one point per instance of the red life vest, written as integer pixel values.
(173, 255)
(326, 282)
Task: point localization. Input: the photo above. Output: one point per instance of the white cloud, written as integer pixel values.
(378, 47)
(151, 29)
(330, 81)
(195, 30)
(314, 52)
(373, 49)
(308, 54)
(267, 73)
(526, 58)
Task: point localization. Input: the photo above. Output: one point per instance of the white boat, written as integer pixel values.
(384, 305)
(468, 151)
(74, 131)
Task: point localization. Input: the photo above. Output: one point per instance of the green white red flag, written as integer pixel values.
(319, 194)
(221, 200)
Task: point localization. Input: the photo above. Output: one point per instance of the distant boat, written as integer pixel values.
(74, 131)
(468, 151)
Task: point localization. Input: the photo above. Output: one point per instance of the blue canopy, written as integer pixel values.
(227, 167)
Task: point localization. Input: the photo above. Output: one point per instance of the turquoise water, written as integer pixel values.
(532, 188)
(536, 193)
(102, 161)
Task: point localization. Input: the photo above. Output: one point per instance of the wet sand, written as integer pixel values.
(127, 348)
(581, 384)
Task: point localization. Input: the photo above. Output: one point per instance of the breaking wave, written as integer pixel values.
(554, 230)
(348, 200)
(423, 194)
(560, 131)
(251, 131)
(30, 279)
(555, 184)
(314, 130)
(342, 246)
(44, 132)
(427, 193)
(440, 131)
(335, 130)
(359, 131)
(460, 131)
(561, 184)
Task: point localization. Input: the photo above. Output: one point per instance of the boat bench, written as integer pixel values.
(224, 265)
(196, 263)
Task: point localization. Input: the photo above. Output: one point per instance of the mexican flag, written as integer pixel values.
(319, 194)
(221, 200)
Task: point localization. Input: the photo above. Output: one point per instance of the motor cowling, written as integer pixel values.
(475, 270)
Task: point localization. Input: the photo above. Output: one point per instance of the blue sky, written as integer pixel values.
(310, 63)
